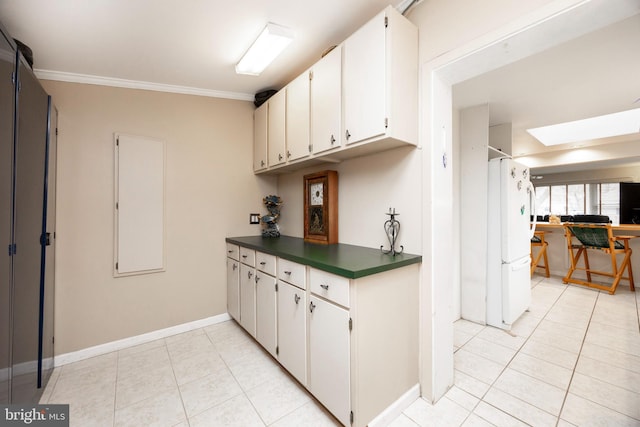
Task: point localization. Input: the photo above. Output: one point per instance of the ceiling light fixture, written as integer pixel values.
(609, 125)
(269, 44)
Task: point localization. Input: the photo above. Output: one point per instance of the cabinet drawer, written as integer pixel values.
(232, 251)
(266, 263)
(292, 272)
(248, 256)
(329, 286)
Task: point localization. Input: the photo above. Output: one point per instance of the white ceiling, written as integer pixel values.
(192, 44)
(595, 74)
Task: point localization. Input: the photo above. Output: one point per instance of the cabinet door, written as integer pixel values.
(329, 357)
(260, 138)
(292, 330)
(7, 115)
(298, 118)
(364, 81)
(276, 129)
(29, 260)
(266, 312)
(248, 299)
(233, 288)
(326, 95)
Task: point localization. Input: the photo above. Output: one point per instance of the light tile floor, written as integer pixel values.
(572, 360)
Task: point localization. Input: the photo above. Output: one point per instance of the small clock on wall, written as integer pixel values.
(321, 207)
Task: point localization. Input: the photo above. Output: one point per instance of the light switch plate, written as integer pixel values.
(254, 218)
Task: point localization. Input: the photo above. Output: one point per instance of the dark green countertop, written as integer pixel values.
(344, 260)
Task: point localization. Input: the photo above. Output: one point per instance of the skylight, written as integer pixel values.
(616, 124)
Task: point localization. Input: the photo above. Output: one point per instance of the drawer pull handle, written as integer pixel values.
(230, 251)
(263, 263)
(325, 287)
(244, 256)
(296, 298)
(288, 273)
(311, 306)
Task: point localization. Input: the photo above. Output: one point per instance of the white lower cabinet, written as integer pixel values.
(329, 361)
(248, 299)
(233, 288)
(266, 324)
(353, 343)
(292, 330)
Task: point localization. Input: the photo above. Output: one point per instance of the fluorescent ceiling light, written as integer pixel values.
(616, 124)
(269, 44)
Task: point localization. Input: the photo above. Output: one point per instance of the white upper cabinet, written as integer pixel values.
(276, 129)
(260, 138)
(297, 113)
(364, 82)
(380, 72)
(362, 98)
(326, 95)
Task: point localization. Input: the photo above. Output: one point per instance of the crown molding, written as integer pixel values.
(135, 84)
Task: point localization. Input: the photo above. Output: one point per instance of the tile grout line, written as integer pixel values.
(573, 371)
(175, 378)
(506, 365)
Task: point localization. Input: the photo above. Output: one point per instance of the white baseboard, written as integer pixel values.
(109, 347)
(394, 410)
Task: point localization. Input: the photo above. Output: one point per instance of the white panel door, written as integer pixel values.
(326, 96)
(248, 299)
(266, 312)
(515, 215)
(329, 357)
(260, 138)
(516, 289)
(292, 330)
(364, 88)
(298, 118)
(233, 288)
(276, 128)
(139, 204)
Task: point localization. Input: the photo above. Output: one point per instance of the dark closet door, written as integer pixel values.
(31, 143)
(7, 67)
(47, 272)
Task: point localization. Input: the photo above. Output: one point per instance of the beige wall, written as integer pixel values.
(368, 187)
(210, 191)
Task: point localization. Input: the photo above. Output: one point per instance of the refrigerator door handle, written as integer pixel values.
(532, 204)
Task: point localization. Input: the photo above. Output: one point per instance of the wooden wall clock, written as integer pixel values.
(321, 207)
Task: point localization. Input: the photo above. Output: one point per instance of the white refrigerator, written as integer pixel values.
(510, 229)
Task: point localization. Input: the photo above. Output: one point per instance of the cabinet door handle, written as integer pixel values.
(279, 156)
(347, 134)
(311, 306)
(262, 163)
(332, 140)
(288, 154)
(296, 298)
(257, 278)
(325, 287)
(235, 267)
(249, 273)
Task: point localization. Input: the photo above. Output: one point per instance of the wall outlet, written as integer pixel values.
(254, 218)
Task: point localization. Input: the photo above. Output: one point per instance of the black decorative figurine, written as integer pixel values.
(392, 229)
(273, 204)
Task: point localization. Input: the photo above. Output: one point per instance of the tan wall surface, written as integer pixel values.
(210, 190)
